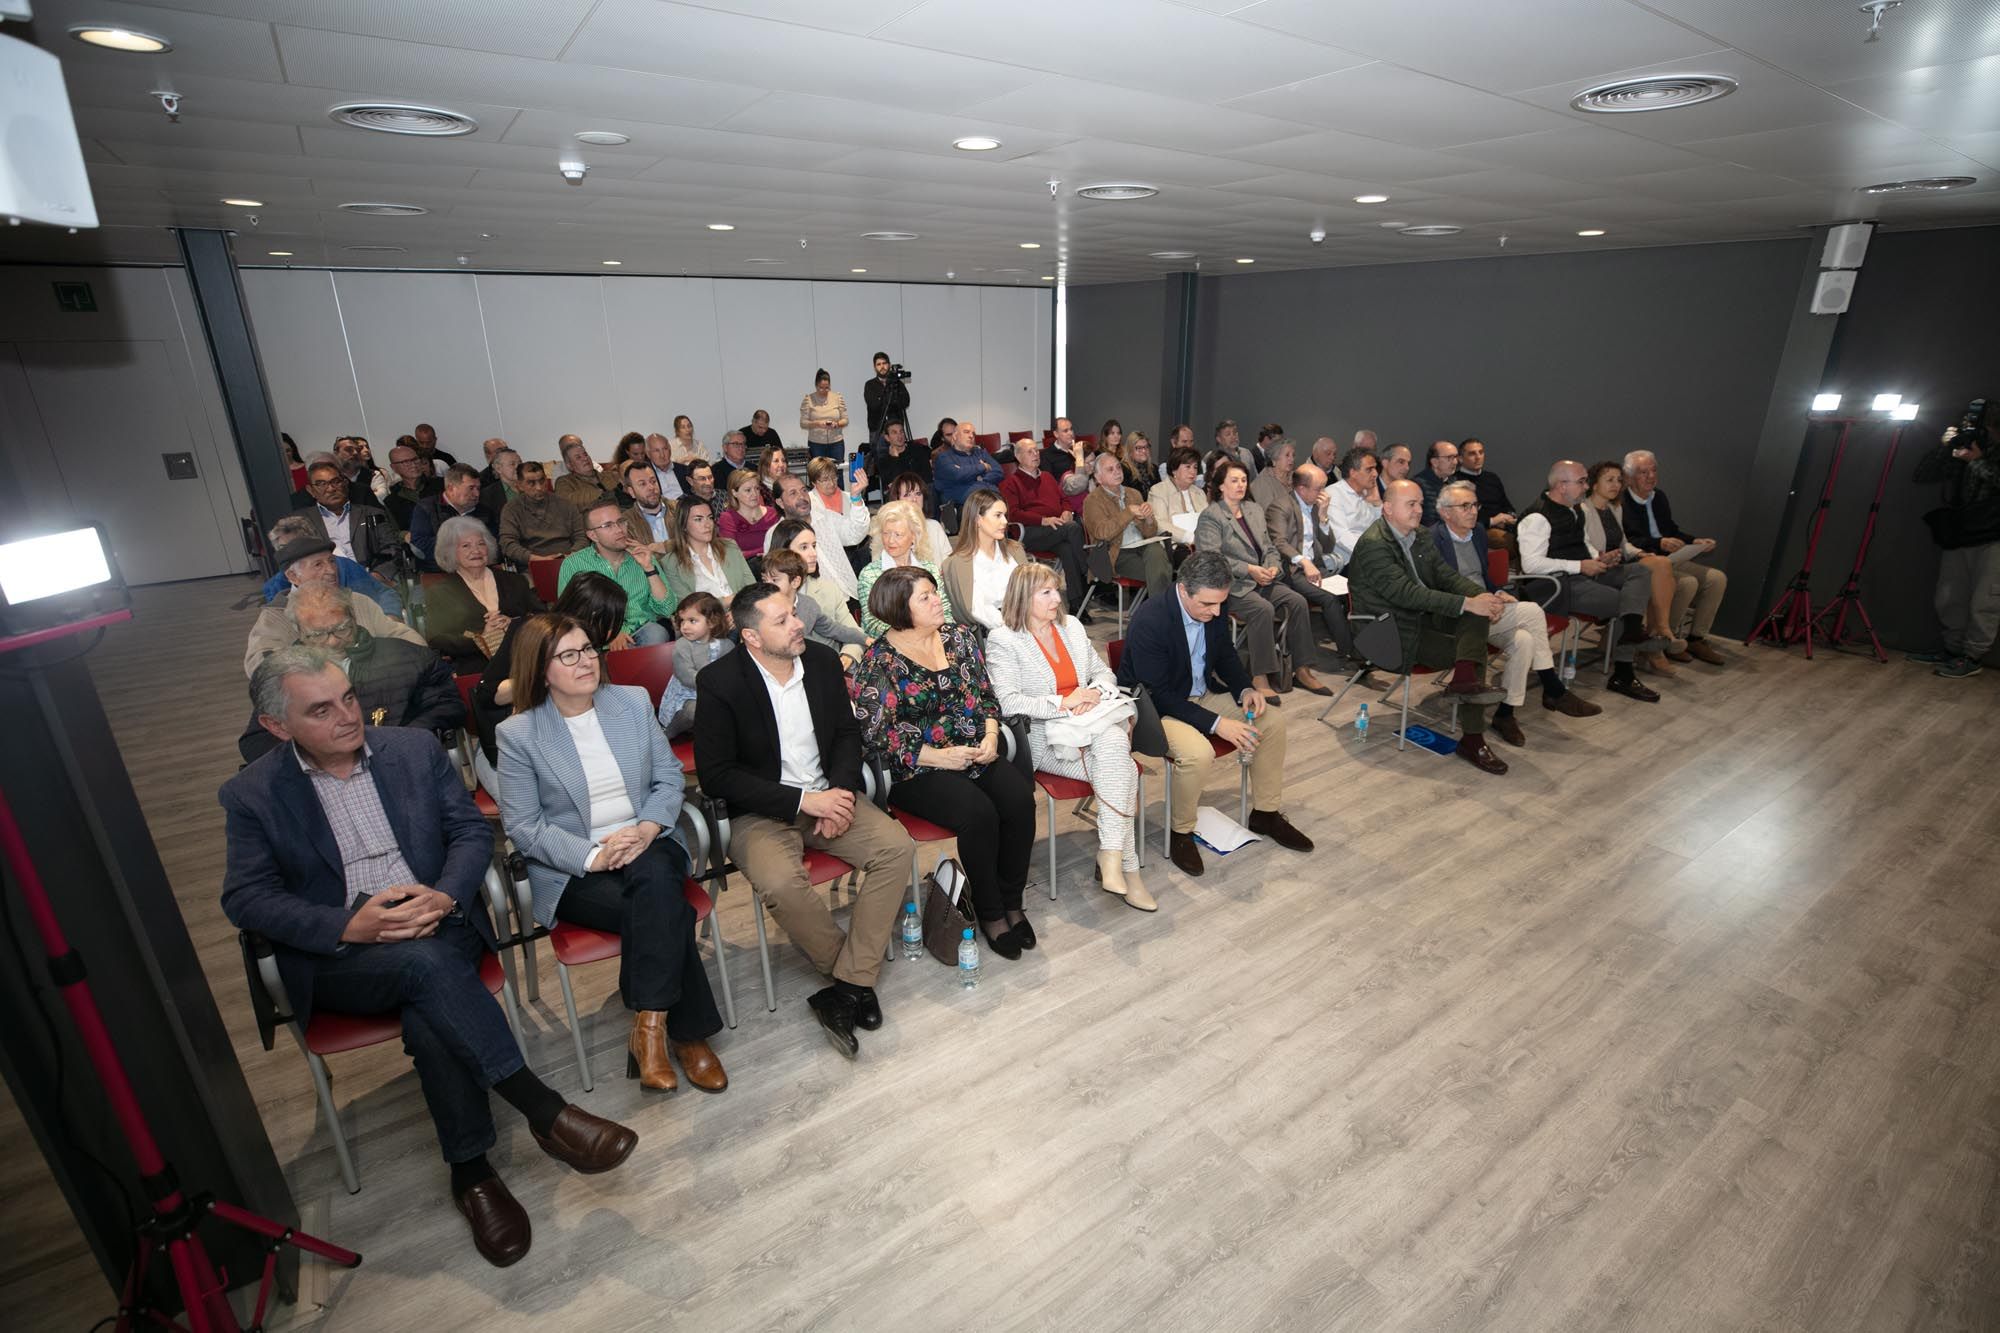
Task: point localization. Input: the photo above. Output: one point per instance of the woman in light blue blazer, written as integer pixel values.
(590, 794)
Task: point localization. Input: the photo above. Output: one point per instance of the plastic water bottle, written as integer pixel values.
(913, 934)
(1569, 666)
(1361, 725)
(968, 960)
(1250, 716)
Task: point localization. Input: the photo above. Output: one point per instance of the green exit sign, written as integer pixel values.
(75, 298)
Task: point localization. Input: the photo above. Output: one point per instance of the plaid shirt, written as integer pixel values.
(369, 854)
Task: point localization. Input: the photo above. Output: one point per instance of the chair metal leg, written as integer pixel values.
(1167, 807)
(764, 953)
(1334, 702)
(1139, 821)
(324, 1087)
(1052, 844)
(1403, 732)
(575, 1027)
(721, 966)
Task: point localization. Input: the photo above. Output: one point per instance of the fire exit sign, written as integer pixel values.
(75, 298)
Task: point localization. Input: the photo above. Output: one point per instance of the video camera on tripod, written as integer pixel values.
(1973, 428)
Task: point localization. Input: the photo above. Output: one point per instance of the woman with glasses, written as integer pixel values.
(698, 558)
(590, 796)
(468, 613)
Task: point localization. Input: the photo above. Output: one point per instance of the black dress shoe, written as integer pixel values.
(835, 1010)
(1509, 730)
(1184, 854)
(1476, 753)
(1273, 825)
(867, 1008)
(1633, 689)
(1025, 933)
(1007, 943)
(500, 1230)
(588, 1143)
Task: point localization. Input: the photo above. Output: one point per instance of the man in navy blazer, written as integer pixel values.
(1178, 648)
(359, 854)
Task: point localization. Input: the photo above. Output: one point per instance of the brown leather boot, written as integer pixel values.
(698, 1062)
(646, 1052)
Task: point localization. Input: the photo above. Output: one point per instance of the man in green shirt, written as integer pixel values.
(613, 554)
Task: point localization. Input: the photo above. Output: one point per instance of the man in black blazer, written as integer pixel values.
(776, 739)
(357, 852)
(1210, 697)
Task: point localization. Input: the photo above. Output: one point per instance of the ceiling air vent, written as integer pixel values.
(376, 250)
(1922, 185)
(1432, 229)
(888, 236)
(1660, 92)
(385, 210)
(1171, 254)
(1117, 190)
(403, 118)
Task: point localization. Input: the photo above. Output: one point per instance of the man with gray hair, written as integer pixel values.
(357, 852)
(1365, 439)
(660, 456)
(1178, 648)
(1326, 454)
(1698, 588)
(303, 561)
(297, 527)
(735, 454)
(399, 684)
(1555, 541)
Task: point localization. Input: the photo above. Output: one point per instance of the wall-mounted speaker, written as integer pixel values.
(42, 178)
(1846, 244)
(1832, 292)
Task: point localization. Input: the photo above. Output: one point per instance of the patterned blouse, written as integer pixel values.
(905, 707)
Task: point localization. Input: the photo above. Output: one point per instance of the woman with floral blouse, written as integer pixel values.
(928, 710)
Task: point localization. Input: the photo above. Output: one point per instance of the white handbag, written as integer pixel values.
(1074, 732)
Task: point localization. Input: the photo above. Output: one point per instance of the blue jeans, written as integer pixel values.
(651, 632)
(837, 451)
(453, 1029)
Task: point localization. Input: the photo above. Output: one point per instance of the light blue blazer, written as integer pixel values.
(545, 799)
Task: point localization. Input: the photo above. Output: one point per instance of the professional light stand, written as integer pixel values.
(1849, 596)
(1791, 617)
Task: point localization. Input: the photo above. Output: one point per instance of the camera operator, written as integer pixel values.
(1967, 462)
(887, 398)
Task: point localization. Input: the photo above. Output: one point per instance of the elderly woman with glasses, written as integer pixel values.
(467, 613)
(590, 796)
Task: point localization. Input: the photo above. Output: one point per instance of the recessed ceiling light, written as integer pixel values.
(244, 203)
(1010, 270)
(1246, 261)
(763, 261)
(1393, 226)
(1591, 231)
(1432, 229)
(1371, 198)
(602, 138)
(1031, 245)
(428, 122)
(722, 226)
(1658, 92)
(976, 143)
(1048, 277)
(1921, 185)
(1118, 190)
(385, 210)
(888, 236)
(487, 235)
(612, 263)
(279, 254)
(857, 270)
(120, 39)
(1171, 254)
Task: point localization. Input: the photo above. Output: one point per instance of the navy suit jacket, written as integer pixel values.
(1633, 516)
(1442, 536)
(1156, 656)
(284, 878)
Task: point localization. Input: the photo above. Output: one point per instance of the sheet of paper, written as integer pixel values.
(1335, 584)
(1692, 551)
(1220, 833)
(1184, 524)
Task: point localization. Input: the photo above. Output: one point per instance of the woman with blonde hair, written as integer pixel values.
(899, 541)
(982, 559)
(1043, 668)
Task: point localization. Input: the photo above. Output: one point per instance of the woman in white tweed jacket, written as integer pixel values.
(1043, 666)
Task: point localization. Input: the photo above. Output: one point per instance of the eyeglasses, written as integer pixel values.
(1463, 504)
(606, 527)
(575, 657)
(319, 483)
(340, 631)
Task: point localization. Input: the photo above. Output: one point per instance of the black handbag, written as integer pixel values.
(1148, 736)
(945, 921)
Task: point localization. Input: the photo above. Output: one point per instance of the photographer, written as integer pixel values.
(887, 398)
(1967, 463)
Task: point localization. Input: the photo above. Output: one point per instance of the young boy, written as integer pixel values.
(786, 570)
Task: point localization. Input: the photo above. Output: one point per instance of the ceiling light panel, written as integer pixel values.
(106, 37)
(381, 210)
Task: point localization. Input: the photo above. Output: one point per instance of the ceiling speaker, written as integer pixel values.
(1833, 291)
(41, 163)
(1846, 244)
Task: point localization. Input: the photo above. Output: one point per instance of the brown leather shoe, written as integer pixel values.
(698, 1062)
(1632, 689)
(1703, 650)
(587, 1143)
(1509, 730)
(1569, 705)
(1682, 656)
(1273, 825)
(1184, 854)
(500, 1230)
(646, 1052)
(1475, 752)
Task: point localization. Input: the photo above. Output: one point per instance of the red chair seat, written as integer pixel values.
(487, 805)
(684, 751)
(824, 867)
(1124, 582)
(576, 945)
(542, 573)
(330, 1033)
(1061, 788)
(1557, 624)
(1220, 746)
(651, 666)
(921, 829)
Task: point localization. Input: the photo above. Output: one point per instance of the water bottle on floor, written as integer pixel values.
(913, 934)
(1569, 666)
(968, 960)
(1361, 725)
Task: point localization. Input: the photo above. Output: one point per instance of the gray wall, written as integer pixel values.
(1116, 337)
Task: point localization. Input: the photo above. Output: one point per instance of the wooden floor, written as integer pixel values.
(1690, 1022)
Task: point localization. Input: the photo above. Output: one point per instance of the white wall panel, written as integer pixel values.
(419, 353)
(665, 358)
(851, 322)
(941, 331)
(765, 332)
(304, 351)
(1008, 361)
(551, 363)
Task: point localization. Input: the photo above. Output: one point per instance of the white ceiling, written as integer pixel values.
(822, 119)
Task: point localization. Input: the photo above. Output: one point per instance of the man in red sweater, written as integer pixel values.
(1035, 501)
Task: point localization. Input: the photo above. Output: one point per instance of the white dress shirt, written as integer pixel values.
(1533, 533)
(708, 575)
(1350, 515)
(798, 744)
(989, 587)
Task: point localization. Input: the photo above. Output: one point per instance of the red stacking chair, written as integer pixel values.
(990, 443)
(542, 573)
(651, 666)
(1016, 436)
(821, 868)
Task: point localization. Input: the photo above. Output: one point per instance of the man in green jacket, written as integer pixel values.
(1441, 616)
(627, 563)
